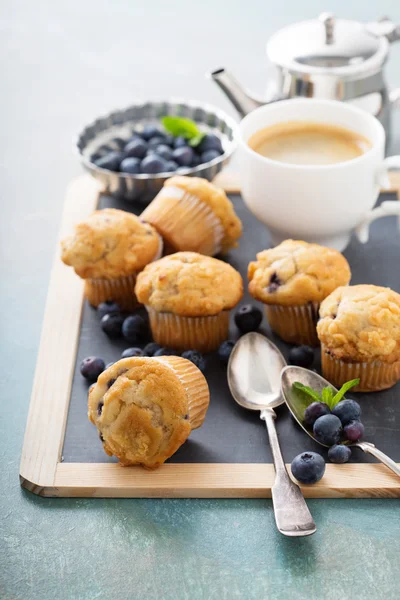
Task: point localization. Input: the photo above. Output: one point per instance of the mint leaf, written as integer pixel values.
(327, 396)
(180, 126)
(307, 390)
(195, 141)
(345, 388)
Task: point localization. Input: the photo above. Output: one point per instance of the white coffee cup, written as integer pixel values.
(316, 203)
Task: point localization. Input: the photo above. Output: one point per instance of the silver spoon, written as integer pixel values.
(296, 405)
(254, 370)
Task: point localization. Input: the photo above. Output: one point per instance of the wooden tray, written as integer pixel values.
(191, 472)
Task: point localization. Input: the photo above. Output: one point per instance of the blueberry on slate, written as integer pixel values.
(91, 367)
(130, 165)
(136, 148)
(347, 410)
(150, 131)
(131, 352)
(327, 430)
(308, 467)
(209, 155)
(155, 141)
(301, 356)
(171, 166)
(183, 156)
(339, 453)
(224, 351)
(353, 431)
(196, 358)
(153, 164)
(210, 142)
(164, 151)
(180, 142)
(151, 348)
(111, 324)
(248, 318)
(166, 352)
(111, 161)
(313, 412)
(109, 306)
(134, 329)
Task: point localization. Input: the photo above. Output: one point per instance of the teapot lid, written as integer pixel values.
(328, 46)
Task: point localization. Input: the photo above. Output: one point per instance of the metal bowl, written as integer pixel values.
(102, 135)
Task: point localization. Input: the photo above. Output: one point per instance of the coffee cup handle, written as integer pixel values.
(387, 208)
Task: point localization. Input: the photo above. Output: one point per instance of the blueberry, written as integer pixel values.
(153, 164)
(180, 142)
(117, 143)
(136, 148)
(111, 161)
(211, 142)
(224, 351)
(164, 151)
(209, 155)
(308, 467)
(171, 166)
(313, 412)
(134, 329)
(111, 324)
(248, 318)
(130, 165)
(156, 141)
(91, 367)
(196, 160)
(150, 131)
(301, 356)
(327, 430)
(347, 410)
(166, 352)
(353, 431)
(105, 308)
(151, 348)
(130, 352)
(196, 358)
(169, 140)
(183, 156)
(339, 453)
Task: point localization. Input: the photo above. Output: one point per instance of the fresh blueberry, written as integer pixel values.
(209, 155)
(328, 430)
(150, 131)
(347, 410)
(248, 318)
(211, 142)
(151, 348)
(308, 467)
(180, 142)
(196, 358)
(130, 352)
(134, 329)
(339, 453)
(224, 351)
(111, 324)
(171, 166)
(94, 157)
(169, 140)
(107, 307)
(183, 156)
(156, 141)
(153, 164)
(136, 148)
(166, 352)
(91, 367)
(353, 431)
(130, 165)
(196, 160)
(301, 356)
(117, 143)
(313, 412)
(164, 151)
(111, 161)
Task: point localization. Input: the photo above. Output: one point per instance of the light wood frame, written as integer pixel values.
(42, 470)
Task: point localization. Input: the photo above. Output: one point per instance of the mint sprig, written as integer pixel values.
(181, 126)
(327, 394)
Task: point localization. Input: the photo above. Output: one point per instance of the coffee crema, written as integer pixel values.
(308, 143)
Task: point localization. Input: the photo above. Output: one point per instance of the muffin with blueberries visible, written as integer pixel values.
(291, 280)
(108, 250)
(359, 330)
(194, 215)
(145, 408)
(188, 297)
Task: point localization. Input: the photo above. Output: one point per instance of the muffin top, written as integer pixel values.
(217, 200)
(189, 284)
(361, 323)
(295, 273)
(110, 244)
(141, 408)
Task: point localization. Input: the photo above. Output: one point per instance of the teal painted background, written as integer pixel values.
(62, 63)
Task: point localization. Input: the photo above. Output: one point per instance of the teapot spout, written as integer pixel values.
(240, 98)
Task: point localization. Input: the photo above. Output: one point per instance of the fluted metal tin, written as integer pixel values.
(103, 135)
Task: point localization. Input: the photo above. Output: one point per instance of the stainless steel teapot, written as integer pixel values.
(329, 58)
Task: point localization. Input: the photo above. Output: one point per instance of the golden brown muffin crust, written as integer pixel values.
(295, 273)
(110, 244)
(190, 285)
(361, 323)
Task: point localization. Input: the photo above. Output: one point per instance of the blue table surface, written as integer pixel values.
(62, 64)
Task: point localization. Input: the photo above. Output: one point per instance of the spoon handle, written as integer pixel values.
(291, 511)
(384, 458)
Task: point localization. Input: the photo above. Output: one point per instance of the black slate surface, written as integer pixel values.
(231, 434)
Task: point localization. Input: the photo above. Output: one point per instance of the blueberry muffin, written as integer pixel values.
(145, 408)
(193, 214)
(107, 251)
(359, 330)
(291, 280)
(188, 297)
